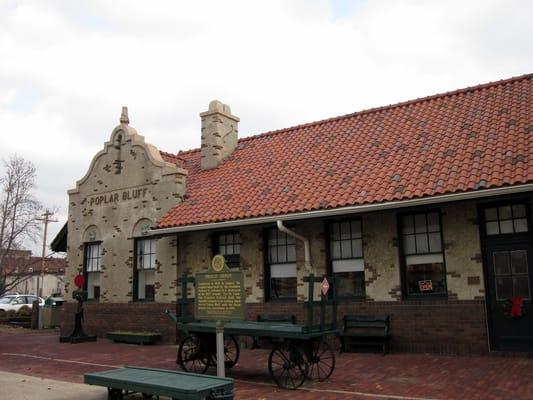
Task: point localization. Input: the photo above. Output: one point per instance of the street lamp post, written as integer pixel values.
(45, 218)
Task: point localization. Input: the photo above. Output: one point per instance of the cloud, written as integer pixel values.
(66, 68)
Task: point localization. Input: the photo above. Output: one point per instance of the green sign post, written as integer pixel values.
(220, 297)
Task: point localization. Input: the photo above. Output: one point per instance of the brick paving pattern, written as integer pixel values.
(357, 375)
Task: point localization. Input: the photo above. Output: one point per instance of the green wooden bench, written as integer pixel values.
(365, 330)
(284, 318)
(159, 382)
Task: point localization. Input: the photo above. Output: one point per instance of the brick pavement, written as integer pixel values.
(357, 376)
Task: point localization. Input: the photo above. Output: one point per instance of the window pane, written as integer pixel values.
(336, 250)
(282, 253)
(408, 225)
(506, 226)
(350, 284)
(236, 238)
(433, 222)
(409, 244)
(282, 288)
(273, 255)
(504, 287)
(521, 286)
(493, 228)
(420, 223)
(505, 212)
(491, 214)
(357, 248)
(426, 278)
(221, 239)
(435, 245)
(290, 239)
(221, 249)
(501, 263)
(519, 262)
(422, 245)
(520, 225)
(334, 232)
(346, 249)
(291, 253)
(282, 238)
(519, 211)
(356, 229)
(345, 230)
(237, 249)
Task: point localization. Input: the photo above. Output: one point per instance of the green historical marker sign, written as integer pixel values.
(220, 293)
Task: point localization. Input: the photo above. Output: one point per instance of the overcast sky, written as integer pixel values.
(67, 67)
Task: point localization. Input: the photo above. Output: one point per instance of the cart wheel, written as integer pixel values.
(321, 362)
(114, 394)
(288, 366)
(193, 355)
(231, 351)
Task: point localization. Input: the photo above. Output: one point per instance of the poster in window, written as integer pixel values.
(425, 285)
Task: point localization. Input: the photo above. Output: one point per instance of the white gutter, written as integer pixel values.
(307, 249)
(349, 210)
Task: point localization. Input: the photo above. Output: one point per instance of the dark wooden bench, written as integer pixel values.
(283, 318)
(365, 330)
(159, 382)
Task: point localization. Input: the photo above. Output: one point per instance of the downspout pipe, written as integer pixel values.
(307, 248)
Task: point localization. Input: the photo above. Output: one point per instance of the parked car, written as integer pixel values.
(15, 302)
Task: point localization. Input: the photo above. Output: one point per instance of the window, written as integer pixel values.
(91, 270)
(506, 219)
(346, 253)
(424, 271)
(281, 257)
(93, 257)
(229, 245)
(144, 274)
(512, 274)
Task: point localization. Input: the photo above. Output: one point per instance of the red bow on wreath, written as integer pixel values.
(516, 306)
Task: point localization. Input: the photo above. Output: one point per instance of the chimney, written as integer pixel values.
(219, 134)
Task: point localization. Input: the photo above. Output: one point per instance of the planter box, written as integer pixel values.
(134, 337)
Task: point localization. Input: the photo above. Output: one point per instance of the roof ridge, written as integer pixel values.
(375, 109)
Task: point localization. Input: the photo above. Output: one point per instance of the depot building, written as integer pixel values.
(421, 209)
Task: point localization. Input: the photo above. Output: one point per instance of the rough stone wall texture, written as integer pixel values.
(381, 254)
(127, 183)
(464, 267)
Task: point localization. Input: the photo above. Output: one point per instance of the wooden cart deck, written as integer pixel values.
(263, 329)
(176, 385)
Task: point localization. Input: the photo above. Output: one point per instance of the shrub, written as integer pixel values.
(3, 317)
(10, 313)
(24, 311)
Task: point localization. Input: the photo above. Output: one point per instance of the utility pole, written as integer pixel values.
(45, 218)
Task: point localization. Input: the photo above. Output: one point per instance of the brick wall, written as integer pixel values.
(440, 327)
(107, 317)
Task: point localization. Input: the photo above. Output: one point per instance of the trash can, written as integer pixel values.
(52, 311)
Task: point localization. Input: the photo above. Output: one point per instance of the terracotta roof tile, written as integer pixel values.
(469, 139)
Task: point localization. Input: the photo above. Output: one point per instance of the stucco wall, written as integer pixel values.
(128, 188)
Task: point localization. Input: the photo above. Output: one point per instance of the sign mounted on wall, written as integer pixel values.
(219, 293)
(426, 285)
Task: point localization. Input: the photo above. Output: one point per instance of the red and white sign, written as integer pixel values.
(324, 286)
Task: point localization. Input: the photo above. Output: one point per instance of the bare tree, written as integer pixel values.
(18, 209)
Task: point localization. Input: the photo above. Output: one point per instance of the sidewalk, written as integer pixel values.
(356, 376)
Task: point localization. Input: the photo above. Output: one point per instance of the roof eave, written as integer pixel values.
(499, 191)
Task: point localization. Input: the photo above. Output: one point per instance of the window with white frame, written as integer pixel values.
(281, 255)
(346, 253)
(144, 276)
(229, 245)
(92, 268)
(423, 267)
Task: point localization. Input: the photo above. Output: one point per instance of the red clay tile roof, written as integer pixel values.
(465, 140)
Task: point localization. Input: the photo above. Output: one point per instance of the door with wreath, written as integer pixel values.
(509, 273)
